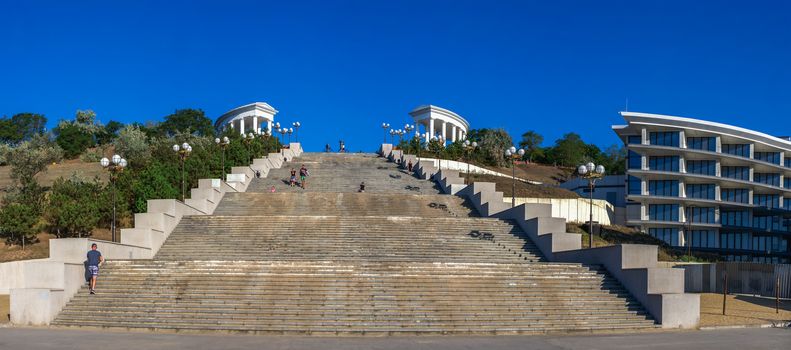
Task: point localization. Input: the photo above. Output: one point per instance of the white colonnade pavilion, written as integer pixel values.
(437, 121)
(255, 117)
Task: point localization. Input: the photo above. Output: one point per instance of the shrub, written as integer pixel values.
(18, 223)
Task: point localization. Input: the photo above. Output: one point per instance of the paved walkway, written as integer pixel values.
(736, 339)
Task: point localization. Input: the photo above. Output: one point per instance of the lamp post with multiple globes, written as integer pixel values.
(469, 147)
(384, 128)
(223, 143)
(183, 152)
(591, 172)
(513, 154)
(115, 166)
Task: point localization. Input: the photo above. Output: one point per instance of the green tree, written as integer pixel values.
(75, 207)
(132, 144)
(531, 142)
(109, 132)
(614, 160)
(155, 181)
(73, 139)
(492, 144)
(189, 121)
(569, 151)
(32, 157)
(18, 223)
(21, 127)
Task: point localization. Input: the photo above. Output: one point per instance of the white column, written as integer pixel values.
(444, 132)
(430, 129)
(241, 126)
(269, 127)
(453, 131)
(256, 128)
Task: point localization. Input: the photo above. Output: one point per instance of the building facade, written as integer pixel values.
(708, 187)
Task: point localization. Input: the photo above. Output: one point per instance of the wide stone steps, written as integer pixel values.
(342, 204)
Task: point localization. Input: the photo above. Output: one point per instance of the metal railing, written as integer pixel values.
(743, 278)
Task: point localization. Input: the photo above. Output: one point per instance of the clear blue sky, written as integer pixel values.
(344, 67)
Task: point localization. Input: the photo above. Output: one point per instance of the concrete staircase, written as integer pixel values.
(327, 260)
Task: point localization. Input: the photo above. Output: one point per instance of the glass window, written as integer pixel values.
(737, 218)
(741, 150)
(668, 188)
(664, 163)
(665, 234)
(769, 157)
(702, 143)
(736, 172)
(787, 182)
(702, 167)
(664, 138)
(635, 185)
(788, 162)
(767, 178)
(703, 215)
(635, 160)
(737, 195)
(701, 238)
(663, 212)
(701, 191)
(634, 139)
(787, 203)
(766, 200)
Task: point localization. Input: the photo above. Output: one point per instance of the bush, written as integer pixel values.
(18, 223)
(32, 157)
(75, 207)
(155, 181)
(92, 156)
(73, 140)
(132, 144)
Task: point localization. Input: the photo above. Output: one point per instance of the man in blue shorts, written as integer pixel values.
(95, 259)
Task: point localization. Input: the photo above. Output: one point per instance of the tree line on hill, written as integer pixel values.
(568, 151)
(75, 206)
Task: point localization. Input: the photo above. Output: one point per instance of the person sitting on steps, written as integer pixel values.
(362, 186)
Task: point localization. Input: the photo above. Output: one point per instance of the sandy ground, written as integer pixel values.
(741, 310)
(4, 308)
(40, 250)
(66, 169)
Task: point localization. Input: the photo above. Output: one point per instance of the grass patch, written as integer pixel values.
(523, 189)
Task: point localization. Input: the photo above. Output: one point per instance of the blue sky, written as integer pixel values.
(343, 67)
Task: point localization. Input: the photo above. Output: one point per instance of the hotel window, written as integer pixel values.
(634, 139)
(665, 234)
(735, 240)
(664, 138)
(769, 157)
(665, 163)
(736, 172)
(787, 203)
(700, 215)
(635, 160)
(663, 212)
(767, 178)
(788, 162)
(737, 218)
(766, 200)
(702, 238)
(701, 191)
(741, 150)
(667, 188)
(702, 167)
(702, 143)
(787, 182)
(736, 195)
(635, 185)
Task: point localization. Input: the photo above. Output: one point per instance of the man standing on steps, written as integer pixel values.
(303, 175)
(95, 259)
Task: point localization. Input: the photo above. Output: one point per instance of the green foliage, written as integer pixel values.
(155, 181)
(132, 144)
(92, 156)
(73, 139)
(492, 144)
(188, 121)
(531, 142)
(109, 132)
(75, 207)
(5, 152)
(21, 127)
(18, 223)
(32, 157)
(569, 151)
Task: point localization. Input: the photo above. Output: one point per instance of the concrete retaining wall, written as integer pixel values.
(660, 290)
(575, 209)
(40, 288)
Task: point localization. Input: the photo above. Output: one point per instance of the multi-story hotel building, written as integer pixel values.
(708, 186)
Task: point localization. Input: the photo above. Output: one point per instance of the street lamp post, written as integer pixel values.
(591, 172)
(223, 143)
(248, 141)
(276, 128)
(469, 148)
(384, 128)
(512, 153)
(296, 126)
(290, 131)
(118, 164)
(688, 229)
(182, 152)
